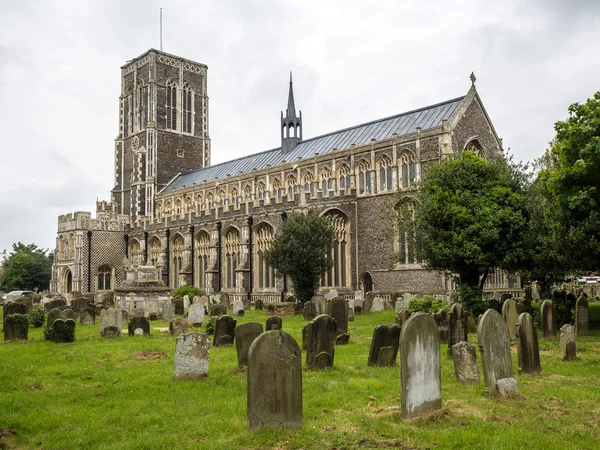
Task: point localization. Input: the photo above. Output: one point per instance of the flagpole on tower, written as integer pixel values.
(161, 29)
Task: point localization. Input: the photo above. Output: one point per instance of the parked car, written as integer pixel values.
(14, 294)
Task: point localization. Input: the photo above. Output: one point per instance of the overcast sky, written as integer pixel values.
(353, 62)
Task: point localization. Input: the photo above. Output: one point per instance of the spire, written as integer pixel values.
(291, 107)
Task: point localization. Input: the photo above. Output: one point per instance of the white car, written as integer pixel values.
(14, 294)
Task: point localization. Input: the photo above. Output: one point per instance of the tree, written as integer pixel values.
(27, 267)
(470, 217)
(302, 251)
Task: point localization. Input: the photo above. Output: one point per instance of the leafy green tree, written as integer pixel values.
(27, 267)
(302, 251)
(470, 217)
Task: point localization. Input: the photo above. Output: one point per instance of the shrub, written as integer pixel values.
(20, 322)
(594, 312)
(190, 291)
(37, 316)
(428, 304)
(564, 304)
(210, 325)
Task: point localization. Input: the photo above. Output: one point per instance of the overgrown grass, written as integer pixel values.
(119, 393)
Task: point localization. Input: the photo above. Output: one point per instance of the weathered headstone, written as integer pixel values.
(333, 293)
(204, 301)
(510, 314)
(494, 346)
(111, 323)
(420, 366)
(366, 306)
(385, 338)
(238, 308)
(106, 298)
(245, 335)
(218, 309)
(12, 308)
(258, 305)
(168, 312)
(274, 382)
(358, 304)
(224, 331)
(548, 319)
(178, 303)
(527, 345)
(56, 303)
(581, 316)
(186, 302)
(68, 314)
(63, 330)
(441, 319)
(87, 316)
(568, 347)
(320, 342)
(338, 309)
(507, 387)
(350, 310)
(138, 323)
(191, 356)
(196, 315)
(309, 311)
(178, 326)
(16, 327)
(273, 323)
(377, 305)
(494, 304)
(53, 314)
(320, 304)
(465, 363)
(457, 325)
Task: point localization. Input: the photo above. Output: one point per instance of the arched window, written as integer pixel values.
(202, 258)
(188, 204)
(364, 177)
(222, 198)
(210, 200)
(277, 190)
(265, 275)
(135, 252)
(198, 202)
(178, 207)
(171, 106)
(72, 245)
(309, 185)
(260, 190)
(344, 172)
(291, 186)
(326, 180)
(247, 193)
(168, 208)
(385, 174)
(105, 278)
(142, 104)
(409, 175)
(235, 197)
(159, 210)
(177, 247)
(291, 130)
(232, 243)
(186, 108)
(154, 250)
(404, 245)
(67, 281)
(337, 276)
(475, 147)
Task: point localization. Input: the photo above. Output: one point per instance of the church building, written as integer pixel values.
(208, 225)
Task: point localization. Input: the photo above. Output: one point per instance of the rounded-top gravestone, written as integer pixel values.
(494, 346)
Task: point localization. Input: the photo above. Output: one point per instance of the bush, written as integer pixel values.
(428, 304)
(594, 312)
(37, 316)
(210, 325)
(564, 304)
(190, 291)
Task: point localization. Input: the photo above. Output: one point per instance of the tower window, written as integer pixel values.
(171, 106)
(186, 107)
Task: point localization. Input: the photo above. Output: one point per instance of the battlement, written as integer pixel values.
(107, 219)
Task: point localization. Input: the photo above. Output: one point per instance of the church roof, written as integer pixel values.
(382, 129)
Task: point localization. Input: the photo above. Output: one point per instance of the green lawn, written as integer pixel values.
(120, 393)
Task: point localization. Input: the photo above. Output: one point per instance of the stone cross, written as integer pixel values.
(494, 346)
(191, 356)
(527, 345)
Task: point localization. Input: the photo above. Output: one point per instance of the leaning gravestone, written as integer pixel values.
(568, 347)
(309, 311)
(377, 305)
(245, 335)
(191, 356)
(238, 308)
(527, 345)
(420, 366)
(384, 345)
(178, 303)
(111, 323)
(13, 308)
(63, 330)
(178, 326)
(138, 323)
(581, 316)
(465, 363)
(224, 331)
(16, 327)
(87, 316)
(338, 309)
(494, 346)
(510, 314)
(224, 296)
(168, 312)
(320, 340)
(196, 315)
(274, 323)
(548, 319)
(457, 325)
(274, 382)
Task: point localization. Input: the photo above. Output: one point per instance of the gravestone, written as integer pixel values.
(111, 323)
(186, 302)
(195, 300)
(510, 313)
(191, 356)
(218, 309)
(138, 323)
(320, 342)
(377, 305)
(245, 334)
(581, 316)
(56, 303)
(87, 316)
(63, 330)
(333, 293)
(273, 323)
(12, 308)
(350, 310)
(548, 319)
(196, 315)
(320, 304)
(384, 339)
(507, 387)
(225, 299)
(457, 325)
(68, 314)
(494, 304)
(309, 311)
(400, 305)
(204, 301)
(258, 305)
(358, 304)
(16, 327)
(274, 391)
(178, 303)
(168, 312)
(420, 366)
(366, 306)
(568, 347)
(527, 345)
(53, 314)
(494, 346)
(224, 331)
(441, 319)
(106, 298)
(178, 326)
(465, 363)
(338, 309)
(238, 308)
(79, 304)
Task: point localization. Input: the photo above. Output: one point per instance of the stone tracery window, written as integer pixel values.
(264, 240)
(475, 147)
(385, 174)
(178, 207)
(409, 175)
(234, 197)
(72, 245)
(210, 200)
(291, 186)
(187, 97)
(404, 245)
(309, 185)
(154, 250)
(277, 190)
(337, 276)
(260, 190)
(177, 248)
(222, 198)
(61, 247)
(104, 278)
(326, 180)
(159, 210)
(232, 244)
(202, 258)
(135, 252)
(188, 204)
(168, 208)
(171, 106)
(364, 177)
(344, 172)
(247, 193)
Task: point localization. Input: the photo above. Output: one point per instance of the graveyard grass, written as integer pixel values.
(120, 393)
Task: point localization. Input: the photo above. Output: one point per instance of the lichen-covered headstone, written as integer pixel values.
(548, 319)
(350, 310)
(510, 314)
(245, 335)
(527, 345)
(196, 315)
(238, 308)
(457, 326)
(68, 314)
(274, 382)
(63, 330)
(377, 305)
(87, 316)
(186, 302)
(258, 305)
(274, 323)
(217, 309)
(320, 304)
(56, 303)
(494, 346)
(441, 319)
(13, 308)
(420, 366)
(224, 331)
(53, 314)
(16, 327)
(384, 338)
(178, 304)
(191, 356)
(581, 316)
(320, 342)
(568, 347)
(168, 312)
(224, 296)
(203, 300)
(507, 387)
(465, 363)
(178, 326)
(366, 306)
(309, 311)
(111, 323)
(138, 323)
(338, 309)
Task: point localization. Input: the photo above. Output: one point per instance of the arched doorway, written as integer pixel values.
(367, 282)
(68, 281)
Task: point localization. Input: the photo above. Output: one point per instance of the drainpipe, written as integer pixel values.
(89, 261)
(219, 263)
(192, 255)
(284, 220)
(250, 259)
(168, 261)
(145, 247)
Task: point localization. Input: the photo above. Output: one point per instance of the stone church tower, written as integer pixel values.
(163, 128)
